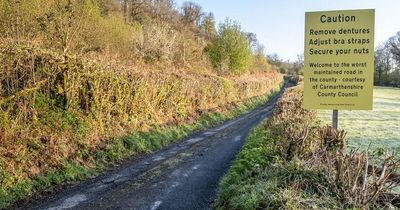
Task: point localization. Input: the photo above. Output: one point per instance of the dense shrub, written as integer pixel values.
(157, 43)
(229, 49)
(55, 107)
(293, 162)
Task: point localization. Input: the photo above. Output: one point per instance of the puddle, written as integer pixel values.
(70, 202)
(194, 140)
(237, 138)
(156, 205)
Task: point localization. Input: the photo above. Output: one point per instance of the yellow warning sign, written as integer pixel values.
(339, 59)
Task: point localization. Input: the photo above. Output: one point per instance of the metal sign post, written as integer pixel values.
(335, 115)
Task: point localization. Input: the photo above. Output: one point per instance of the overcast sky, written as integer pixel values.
(279, 25)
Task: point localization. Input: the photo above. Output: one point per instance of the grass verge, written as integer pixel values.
(261, 179)
(116, 150)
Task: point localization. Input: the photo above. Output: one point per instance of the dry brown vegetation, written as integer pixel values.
(360, 180)
(49, 98)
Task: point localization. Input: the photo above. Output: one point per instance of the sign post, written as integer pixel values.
(335, 116)
(339, 60)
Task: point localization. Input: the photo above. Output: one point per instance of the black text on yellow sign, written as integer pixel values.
(339, 59)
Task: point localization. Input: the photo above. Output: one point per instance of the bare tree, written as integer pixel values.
(192, 13)
(135, 10)
(383, 61)
(163, 10)
(274, 59)
(395, 47)
(253, 41)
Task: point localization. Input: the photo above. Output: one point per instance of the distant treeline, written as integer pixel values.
(387, 62)
(386, 70)
(287, 67)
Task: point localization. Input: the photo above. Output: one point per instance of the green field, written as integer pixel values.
(379, 128)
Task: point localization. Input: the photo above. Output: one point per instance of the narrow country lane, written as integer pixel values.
(184, 175)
